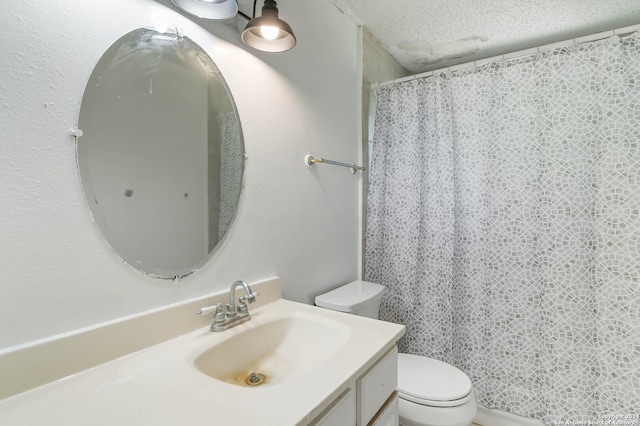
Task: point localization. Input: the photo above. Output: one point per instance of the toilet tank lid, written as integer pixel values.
(429, 379)
(350, 297)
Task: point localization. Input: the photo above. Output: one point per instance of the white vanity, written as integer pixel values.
(320, 367)
(371, 400)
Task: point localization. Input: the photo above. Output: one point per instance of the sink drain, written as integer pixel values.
(255, 379)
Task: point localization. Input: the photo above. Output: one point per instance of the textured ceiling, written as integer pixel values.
(424, 35)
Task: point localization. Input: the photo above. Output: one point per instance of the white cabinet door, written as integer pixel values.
(389, 415)
(342, 412)
(376, 386)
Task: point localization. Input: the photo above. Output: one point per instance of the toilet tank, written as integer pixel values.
(357, 297)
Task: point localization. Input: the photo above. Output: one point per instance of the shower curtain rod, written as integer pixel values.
(514, 55)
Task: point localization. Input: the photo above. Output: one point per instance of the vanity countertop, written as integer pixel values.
(160, 385)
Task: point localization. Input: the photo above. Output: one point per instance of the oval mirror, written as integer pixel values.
(160, 152)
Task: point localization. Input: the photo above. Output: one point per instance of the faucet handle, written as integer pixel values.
(250, 298)
(218, 312)
(216, 309)
(206, 310)
(219, 316)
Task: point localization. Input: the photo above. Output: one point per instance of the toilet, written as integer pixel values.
(431, 392)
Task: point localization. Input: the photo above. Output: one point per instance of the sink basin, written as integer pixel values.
(273, 351)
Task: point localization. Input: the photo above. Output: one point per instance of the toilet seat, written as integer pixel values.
(431, 382)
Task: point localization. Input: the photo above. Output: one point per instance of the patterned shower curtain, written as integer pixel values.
(504, 219)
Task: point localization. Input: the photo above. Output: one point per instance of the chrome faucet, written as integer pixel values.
(234, 315)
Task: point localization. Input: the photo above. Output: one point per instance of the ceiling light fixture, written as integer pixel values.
(268, 33)
(209, 9)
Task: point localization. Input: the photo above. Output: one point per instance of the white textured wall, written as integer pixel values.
(296, 222)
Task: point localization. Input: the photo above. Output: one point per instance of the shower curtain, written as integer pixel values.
(504, 218)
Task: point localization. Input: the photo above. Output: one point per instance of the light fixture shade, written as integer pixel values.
(282, 40)
(209, 9)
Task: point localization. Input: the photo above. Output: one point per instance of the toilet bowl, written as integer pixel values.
(431, 392)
